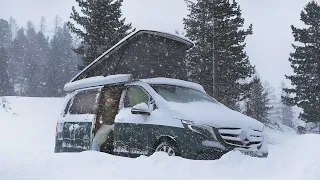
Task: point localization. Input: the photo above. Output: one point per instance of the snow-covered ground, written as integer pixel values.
(27, 142)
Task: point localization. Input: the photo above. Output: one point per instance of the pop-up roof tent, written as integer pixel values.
(144, 54)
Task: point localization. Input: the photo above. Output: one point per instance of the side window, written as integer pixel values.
(85, 102)
(134, 96)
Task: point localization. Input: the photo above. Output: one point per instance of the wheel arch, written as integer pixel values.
(166, 138)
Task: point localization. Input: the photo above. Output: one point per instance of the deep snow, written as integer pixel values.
(27, 142)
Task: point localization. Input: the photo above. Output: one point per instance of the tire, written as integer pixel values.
(265, 155)
(167, 147)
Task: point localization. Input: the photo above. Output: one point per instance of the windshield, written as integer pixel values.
(182, 94)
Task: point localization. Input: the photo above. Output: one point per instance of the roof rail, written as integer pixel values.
(98, 81)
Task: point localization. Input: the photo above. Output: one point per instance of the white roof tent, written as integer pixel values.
(144, 54)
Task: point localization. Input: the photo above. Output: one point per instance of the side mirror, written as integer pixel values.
(141, 108)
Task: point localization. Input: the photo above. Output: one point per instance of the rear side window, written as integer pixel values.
(85, 102)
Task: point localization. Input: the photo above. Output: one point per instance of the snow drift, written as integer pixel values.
(27, 143)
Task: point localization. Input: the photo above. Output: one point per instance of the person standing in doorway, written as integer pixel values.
(109, 110)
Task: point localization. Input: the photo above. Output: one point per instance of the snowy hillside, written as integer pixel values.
(27, 143)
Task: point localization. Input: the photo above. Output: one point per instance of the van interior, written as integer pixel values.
(108, 112)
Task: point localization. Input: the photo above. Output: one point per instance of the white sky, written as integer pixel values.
(268, 47)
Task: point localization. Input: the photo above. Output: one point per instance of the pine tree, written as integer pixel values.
(286, 112)
(63, 61)
(258, 101)
(32, 66)
(11, 71)
(5, 86)
(102, 27)
(219, 61)
(57, 24)
(5, 42)
(273, 102)
(305, 61)
(42, 58)
(18, 62)
(5, 33)
(13, 26)
(43, 24)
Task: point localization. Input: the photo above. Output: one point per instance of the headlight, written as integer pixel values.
(200, 129)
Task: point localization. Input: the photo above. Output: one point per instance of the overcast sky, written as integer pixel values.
(268, 47)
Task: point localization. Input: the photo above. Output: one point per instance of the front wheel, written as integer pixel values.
(168, 148)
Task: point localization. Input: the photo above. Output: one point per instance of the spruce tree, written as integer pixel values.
(305, 61)
(62, 61)
(43, 24)
(218, 61)
(42, 58)
(286, 112)
(258, 101)
(13, 26)
(5, 86)
(32, 66)
(5, 41)
(18, 63)
(5, 33)
(102, 26)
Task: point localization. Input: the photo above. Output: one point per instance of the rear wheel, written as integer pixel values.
(167, 147)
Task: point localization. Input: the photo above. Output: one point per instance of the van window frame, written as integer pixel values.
(76, 92)
(125, 92)
(66, 109)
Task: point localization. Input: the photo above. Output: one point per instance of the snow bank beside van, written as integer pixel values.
(27, 141)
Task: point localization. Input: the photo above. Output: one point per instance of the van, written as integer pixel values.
(157, 114)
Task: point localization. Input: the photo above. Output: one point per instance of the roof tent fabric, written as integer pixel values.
(144, 54)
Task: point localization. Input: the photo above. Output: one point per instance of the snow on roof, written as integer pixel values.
(97, 81)
(176, 82)
(179, 38)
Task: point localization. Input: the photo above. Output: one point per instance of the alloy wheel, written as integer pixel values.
(167, 148)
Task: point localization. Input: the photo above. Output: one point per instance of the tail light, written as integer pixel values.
(59, 127)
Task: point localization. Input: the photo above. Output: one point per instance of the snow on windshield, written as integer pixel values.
(175, 82)
(182, 94)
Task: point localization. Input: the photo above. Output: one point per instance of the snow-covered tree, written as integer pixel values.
(4, 104)
(6, 88)
(17, 61)
(13, 26)
(32, 61)
(5, 41)
(286, 112)
(62, 61)
(218, 61)
(5, 33)
(42, 58)
(274, 103)
(43, 25)
(102, 26)
(305, 61)
(258, 104)
(31, 65)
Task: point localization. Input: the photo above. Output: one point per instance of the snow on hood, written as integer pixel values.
(212, 114)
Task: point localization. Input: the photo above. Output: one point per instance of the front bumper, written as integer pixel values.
(213, 153)
(202, 148)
